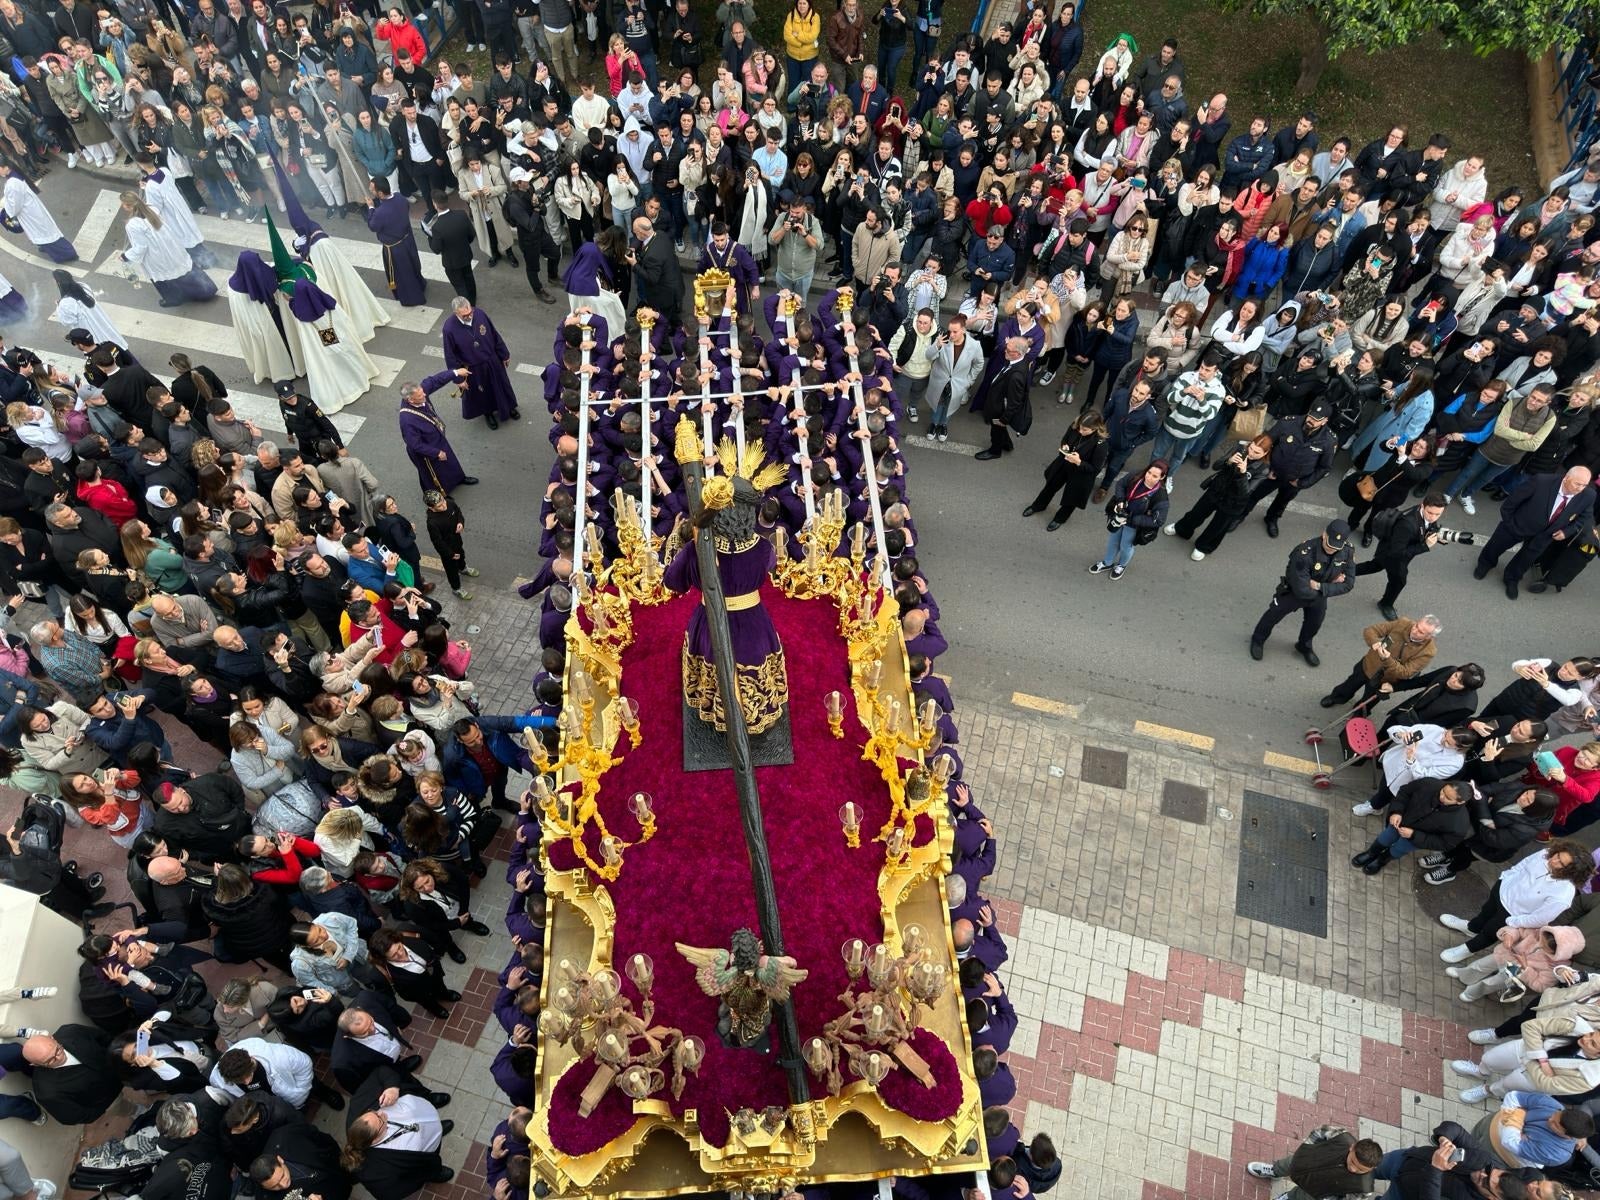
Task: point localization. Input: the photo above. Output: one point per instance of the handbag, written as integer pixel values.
(1366, 487)
(1248, 424)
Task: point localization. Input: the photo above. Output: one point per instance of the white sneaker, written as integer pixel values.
(1474, 1095)
(46, 1189)
(1364, 809)
(72, 159)
(1169, 485)
(1455, 954)
(1483, 1037)
(943, 436)
(1465, 1066)
(1453, 972)
(1261, 1170)
(1170, 530)
(1098, 567)
(1197, 555)
(1468, 507)
(1451, 921)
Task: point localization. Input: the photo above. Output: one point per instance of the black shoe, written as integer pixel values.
(1511, 589)
(324, 1094)
(1540, 587)
(512, 259)
(492, 421)
(457, 954)
(1205, 461)
(1272, 527)
(438, 1011)
(1388, 611)
(516, 414)
(1029, 511)
(1362, 859)
(986, 455)
(477, 927)
(409, 1065)
(494, 260)
(447, 1124)
(1256, 650)
(439, 1100)
(1053, 526)
(1378, 863)
(545, 297)
(1481, 572)
(1307, 653)
(469, 481)
(1328, 701)
(1366, 538)
(445, 1175)
(451, 995)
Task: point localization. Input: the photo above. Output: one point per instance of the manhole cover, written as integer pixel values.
(1283, 864)
(1185, 801)
(1108, 768)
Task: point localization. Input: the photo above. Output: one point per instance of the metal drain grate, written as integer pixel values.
(1283, 864)
(1107, 768)
(1185, 801)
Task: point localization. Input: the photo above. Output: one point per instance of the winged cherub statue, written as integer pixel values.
(747, 981)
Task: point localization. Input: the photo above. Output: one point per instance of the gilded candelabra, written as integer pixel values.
(585, 753)
(872, 1035)
(589, 1012)
(891, 738)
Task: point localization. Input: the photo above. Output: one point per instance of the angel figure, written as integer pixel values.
(747, 980)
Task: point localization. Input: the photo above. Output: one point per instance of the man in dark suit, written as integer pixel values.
(657, 272)
(367, 1041)
(1007, 398)
(73, 1079)
(300, 1158)
(126, 386)
(72, 530)
(421, 153)
(1545, 509)
(395, 1131)
(451, 238)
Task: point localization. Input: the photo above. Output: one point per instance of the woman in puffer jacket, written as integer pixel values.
(1530, 956)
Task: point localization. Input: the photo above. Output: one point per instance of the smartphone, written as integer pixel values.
(141, 1042)
(1546, 763)
(309, 993)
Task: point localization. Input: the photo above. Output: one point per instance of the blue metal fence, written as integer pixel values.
(1580, 98)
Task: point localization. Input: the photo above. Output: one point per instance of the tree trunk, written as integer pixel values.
(1313, 60)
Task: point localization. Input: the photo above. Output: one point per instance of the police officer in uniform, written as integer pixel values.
(1317, 570)
(1302, 452)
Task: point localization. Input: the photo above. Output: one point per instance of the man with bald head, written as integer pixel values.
(73, 1079)
(657, 271)
(1545, 509)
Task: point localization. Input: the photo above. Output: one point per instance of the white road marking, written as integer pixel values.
(97, 223)
(190, 336)
(9, 246)
(363, 255)
(922, 441)
(523, 368)
(1323, 512)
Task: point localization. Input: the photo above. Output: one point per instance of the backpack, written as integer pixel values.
(1383, 522)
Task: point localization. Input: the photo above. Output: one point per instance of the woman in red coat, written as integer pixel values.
(401, 34)
(1576, 782)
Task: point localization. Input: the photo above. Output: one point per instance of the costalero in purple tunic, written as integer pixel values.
(391, 221)
(477, 345)
(763, 680)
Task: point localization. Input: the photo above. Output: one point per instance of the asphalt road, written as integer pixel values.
(1166, 644)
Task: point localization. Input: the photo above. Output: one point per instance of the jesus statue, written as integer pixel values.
(727, 515)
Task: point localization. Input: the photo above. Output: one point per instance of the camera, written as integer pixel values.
(1459, 537)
